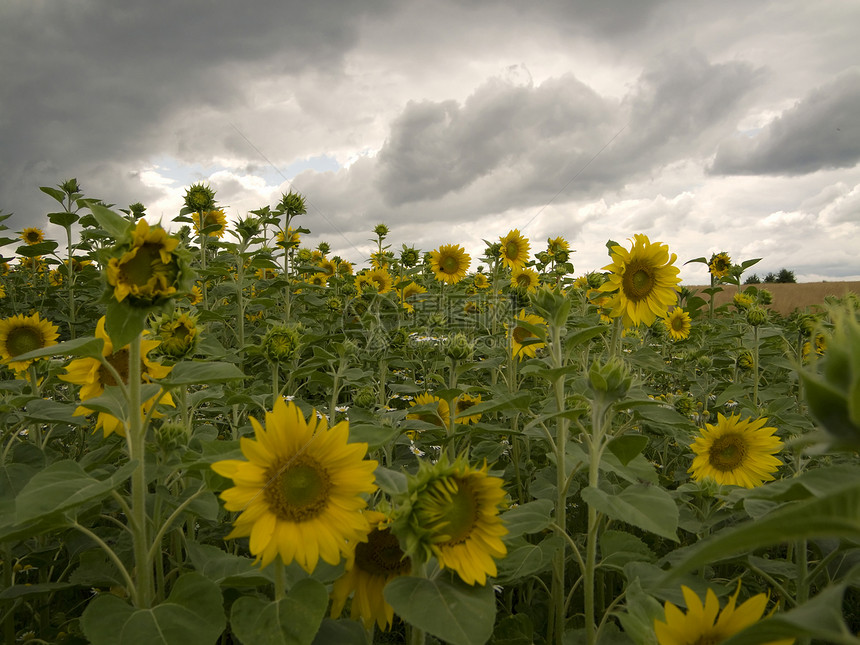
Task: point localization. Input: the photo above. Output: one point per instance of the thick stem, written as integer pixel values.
(755, 366)
(596, 449)
(558, 581)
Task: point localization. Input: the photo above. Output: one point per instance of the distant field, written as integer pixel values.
(788, 297)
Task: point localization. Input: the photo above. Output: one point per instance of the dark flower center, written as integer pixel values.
(24, 339)
(512, 250)
(450, 264)
(449, 510)
(638, 281)
(727, 452)
(381, 555)
(521, 334)
(299, 490)
(119, 361)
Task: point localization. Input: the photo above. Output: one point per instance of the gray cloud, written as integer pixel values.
(820, 131)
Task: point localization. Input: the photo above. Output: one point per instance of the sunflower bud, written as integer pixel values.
(756, 316)
(409, 256)
(458, 347)
(745, 360)
(170, 436)
(364, 398)
(335, 305)
(398, 338)
(178, 333)
(292, 204)
(381, 230)
(764, 297)
(199, 198)
(281, 343)
(610, 380)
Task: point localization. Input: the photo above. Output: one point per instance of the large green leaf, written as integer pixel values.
(293, 620)
(123, 322)
(528, 518)
(192, 615)
(192, 373)
(112, 222)
(648, 507)
(448, 609)
(87, 346)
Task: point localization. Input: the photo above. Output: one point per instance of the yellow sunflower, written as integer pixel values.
(32, 235)
(525, 279)
(736, 451)
(196, 296)
(514, 249)
(441, 417)
(644, 280)
(290, 240)
(381, 278)
(178, 333)
(698, 624)
(93, 377)
(300, 494)
(208, 219)
(318, 279)
(327, 267)
(461, 408)
(22, 334)
(2, 290)
(450, 263)
(557, 246)
(344, 268)
(454, 516)
(720, 265)
(742, 301)
(148, 269)
(518, 335)
(678, 324)
(480, 281)
(373, 565)
(409, 295)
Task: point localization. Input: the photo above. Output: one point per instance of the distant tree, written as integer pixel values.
(752, 279)
(770, 277)
(785, 276)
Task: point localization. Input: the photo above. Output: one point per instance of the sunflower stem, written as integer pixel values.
(755, 366)
(596, 445)
(562, 425)
(280, 586)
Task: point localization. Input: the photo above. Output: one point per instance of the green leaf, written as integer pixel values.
(192, 615)
(192, 373)
(21, 591)
(123, 322)
(451, 610)
(390, 481)
(648, 507)
(112, 222)
(64, 218)
(374, 435)
(342, 632)
(294, 620)
(88, 346)
(56, 193)
(32, 250)
(528, 518)
(47, 411)
(627, 447)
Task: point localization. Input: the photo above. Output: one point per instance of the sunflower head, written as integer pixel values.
(525, 280)
(410, 295)
(441, 416)
(449, 263)
(514, 249)
(381, 278)
(409, 256)
(292, 204)
(281, 343)
(451, 512)
(462, 406)
(558, 249)
(22, 334)
(524, 341)
(678, 324)
(720, 265)
(480, 281)
(212, 223)
(32, 235)
(179, 334)
(199, 198)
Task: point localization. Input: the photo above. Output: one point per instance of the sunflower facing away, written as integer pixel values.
(93, 377)
(21, 334)
(374, 563)
(644, 280)
(518, 335)
(736, 451)
(300, 492)
(525, 279)
(720, 264)
(208, 220)
(678, 324)
(32, 235)
(514, 249)
(450, 263)
(701, 624)
(441, 417)
(454, 516)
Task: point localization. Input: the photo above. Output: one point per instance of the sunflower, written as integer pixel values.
(148, 270)
(409, 293)
(209, 219)
(515, 249)
(525, 279)
(736, 451)
(678, 324)
(196, 296)
(450, 263)
(720, 265)
(519, 335)
(32, 235)
(557, 246)
(344, 268)
(318, 279)
(698, 626)
(21, 334)
(290, 240)
(2, 290)
(644, 281)
(93, 377)
(266, 273)
(373, 565)
(300, 494)
(179, 334)
(35, 264)
(480, 281)
(441, 417)
(381, 278)
(454, 516)
(327, 267)
(464, 402)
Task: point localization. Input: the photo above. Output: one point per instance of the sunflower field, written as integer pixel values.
(219, 435)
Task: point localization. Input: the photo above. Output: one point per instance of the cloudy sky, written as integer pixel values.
(710, 126)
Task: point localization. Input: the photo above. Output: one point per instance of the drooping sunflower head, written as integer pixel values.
(449, 263)
(451, 512)
(524, 342)
(441, 416)
(213, 222)
(21, 334)
(525, 279)
(678, 324)
(736, 451)
(643, 281)
(32, 235)
(374, 563)
(464, 403)
(301, 491)
(720, 265)
(514, 249)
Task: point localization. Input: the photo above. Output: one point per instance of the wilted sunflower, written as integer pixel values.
(720, 265)
(381, 278)
(450, 263)
(461, 409)
(519, 335)
(514, 249)
(32, 235)
(300, 492)
(22, 334)
(441, 417)
(408, 295)
(525, 279)
(678, 324)
(93, 377)
(736, 451)
(208, 220)
(644, 281)
(698, 624)
(453, 514)
(147, 268)
(373, 565)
